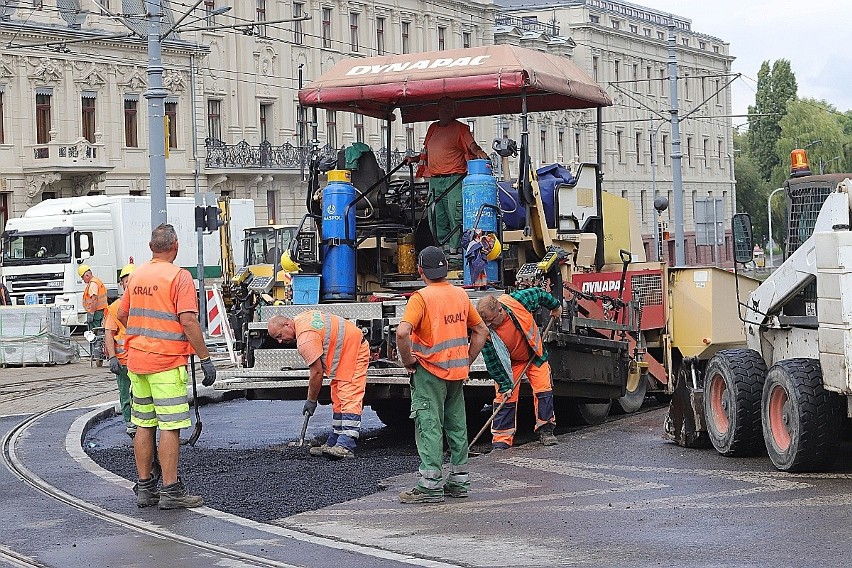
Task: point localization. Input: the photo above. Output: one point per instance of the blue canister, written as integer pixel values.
(338, 244)
(479, 188)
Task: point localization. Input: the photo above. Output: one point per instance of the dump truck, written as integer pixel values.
(789, 389)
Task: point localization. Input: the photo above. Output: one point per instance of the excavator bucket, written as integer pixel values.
(685, 421)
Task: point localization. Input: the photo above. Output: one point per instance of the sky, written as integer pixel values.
(814, 35)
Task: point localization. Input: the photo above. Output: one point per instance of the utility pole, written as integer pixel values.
(677, 174)
(156, 96)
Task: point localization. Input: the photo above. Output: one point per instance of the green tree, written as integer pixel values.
(752, 190)
(808, 121)
(775, 88)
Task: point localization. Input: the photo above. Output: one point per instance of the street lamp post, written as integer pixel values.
(822, 164)
(769, 216)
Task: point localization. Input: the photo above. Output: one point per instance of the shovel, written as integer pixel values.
(301, 441)
(196, 433)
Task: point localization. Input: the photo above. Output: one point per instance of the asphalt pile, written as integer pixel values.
(276, 481)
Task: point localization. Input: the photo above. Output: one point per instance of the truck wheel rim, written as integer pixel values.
(718, 404)
(779, 418)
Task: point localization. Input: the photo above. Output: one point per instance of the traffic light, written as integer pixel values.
(213, 219)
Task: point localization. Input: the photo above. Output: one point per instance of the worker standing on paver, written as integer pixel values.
(94, 297)
(160, 312)
(114, 336)
(448, 145)
(336, 348)
(511, 318)
(433, 345)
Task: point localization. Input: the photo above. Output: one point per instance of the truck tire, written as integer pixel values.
(733, 385)
(633, 399)
(801, 420)
(396, 414)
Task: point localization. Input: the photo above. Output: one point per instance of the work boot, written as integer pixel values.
(546, 436)
(456, 491)
(174, 496)
(146, 492)
(338, 452)
(416, 496)
(318, 451)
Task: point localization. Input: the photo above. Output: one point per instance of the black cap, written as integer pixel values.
(433, 262)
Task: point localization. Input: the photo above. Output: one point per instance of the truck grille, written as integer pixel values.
(47, 286)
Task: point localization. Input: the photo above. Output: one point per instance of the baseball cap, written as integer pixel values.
(433, 262)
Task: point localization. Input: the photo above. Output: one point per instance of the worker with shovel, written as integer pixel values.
(160, 312)
(336, 348)
(510, 317)
(114, 334)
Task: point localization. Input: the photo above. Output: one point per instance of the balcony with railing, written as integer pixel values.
(56, 156)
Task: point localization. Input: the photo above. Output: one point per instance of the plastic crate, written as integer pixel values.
(306, 289)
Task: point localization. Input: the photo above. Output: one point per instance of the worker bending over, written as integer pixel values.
(433, 345)
(114, 343)
(336, 348)
(511, 320)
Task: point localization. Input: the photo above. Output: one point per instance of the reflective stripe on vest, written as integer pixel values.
(97, 302)
(447, 309)
(152, 324)
(336, 332)
(526, 321)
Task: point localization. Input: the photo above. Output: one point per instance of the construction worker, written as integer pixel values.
(160, 312)
(448, 145)
(334, 347)
(510, 317)
(94, 297)
(432, 340)
(114, 343)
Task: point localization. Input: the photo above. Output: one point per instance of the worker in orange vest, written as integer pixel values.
(336, 348)
(432, 340)
(510, 317)
(160, 312)
(114, 334)
(94, 297)
(5, 298)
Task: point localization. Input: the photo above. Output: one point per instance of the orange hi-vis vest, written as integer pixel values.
(97, 302)
(526, 321)
(120, 335)
(446, 312)
(340, 341)
(152, 324)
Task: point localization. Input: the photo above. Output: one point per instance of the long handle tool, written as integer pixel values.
(506, 398)
(304, 431)
(196, 433)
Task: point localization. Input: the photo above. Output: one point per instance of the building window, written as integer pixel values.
(718, 90)
(265, 119)
(705, 147)
(272, 206)
(595, 68)
(406, 28)
(326, 28)
(410, 142)
(209, 7)
(647, 32)
(616, 25)
(577, 144)
(702, 45)
(685, 41)
(131, 136)
(442, 38)
(715, 49)
(689, 151)
(331, 128)
(542, 139)
(380, 36)
(214, 119)
(38, 4)
(560, 140)
(384, 133)
(298, 34)
(638, 147)
(43, 118)
(171, 123)
(618, 146)
(302, 124)
(353, 32)
(661, 35)
(686, 93)
(650, 88)
(719, 153)
(88, 119)
(2, 116)
(261, 17)
(634, 29)
(636, 77)
(665, 149)
(594, 19)
(465, 39)
(359, 127)
(616, 68)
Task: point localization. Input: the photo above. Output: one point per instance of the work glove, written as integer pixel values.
(310, 407)
(209, 371)
(114, 365)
